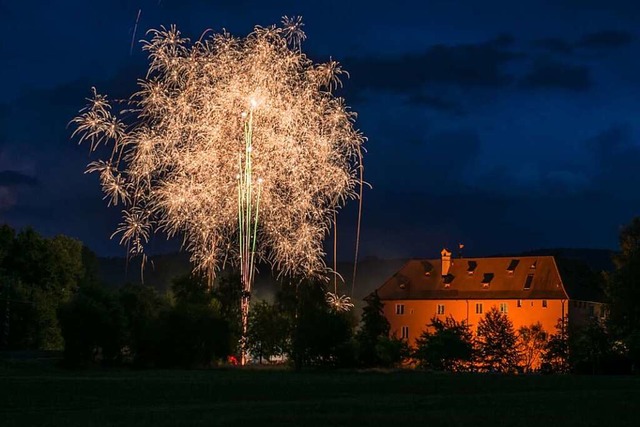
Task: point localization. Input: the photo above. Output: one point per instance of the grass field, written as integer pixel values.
(41, 396)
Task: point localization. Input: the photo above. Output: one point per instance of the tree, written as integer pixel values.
(496, 339)
(39, 274)
(190, 335)
(532, 341)
(392, 351)
(319, 335)
(269, 331)
(227, 291)
(445, 345)
(555, 357)
(374, 326)
(141, 306)
(191, 289)
(594, 351)
(93, 326)
(7, 238)
(623, 291)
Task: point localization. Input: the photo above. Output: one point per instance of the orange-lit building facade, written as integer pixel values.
(528, 289)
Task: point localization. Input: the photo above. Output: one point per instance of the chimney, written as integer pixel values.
(446, 261)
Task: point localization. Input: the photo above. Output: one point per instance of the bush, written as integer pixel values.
(141, 305)
(445, 346)
(190, 335)
(269, 331)
(391, 351)
(93, 327)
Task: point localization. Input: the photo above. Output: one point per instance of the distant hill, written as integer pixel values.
(596, 259)
(160, 270)
(371, 271)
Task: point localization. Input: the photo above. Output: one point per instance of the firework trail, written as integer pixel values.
(135, 30)
(237, 145)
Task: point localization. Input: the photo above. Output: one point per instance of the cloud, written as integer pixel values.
(13, 179)
(554, 45)
(465, 65)
(549, 73)
(616, 156)
(608, 39)
(10, 184)
(435, 102)
(626, 9)
(601, 40)
(412, 224)
(610, 141)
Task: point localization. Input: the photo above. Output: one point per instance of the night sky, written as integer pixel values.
(505, 125)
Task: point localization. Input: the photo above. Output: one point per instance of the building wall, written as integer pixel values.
(417, 313)
(582, 312)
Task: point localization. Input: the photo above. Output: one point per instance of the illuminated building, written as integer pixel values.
(528, 289)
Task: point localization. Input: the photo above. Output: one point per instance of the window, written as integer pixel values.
(479, 308)
(544, 303)
(486, 280)
(472, 265)
(447, 280)
(503, 307)
(512, 266)
(528, 281)
(399, 308)
(440, 308)
(519, 303)
(592, 310)
(405, 333)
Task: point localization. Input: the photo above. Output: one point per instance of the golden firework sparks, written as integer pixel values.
(238, 145)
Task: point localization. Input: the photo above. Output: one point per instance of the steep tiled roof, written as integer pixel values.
(477, 278)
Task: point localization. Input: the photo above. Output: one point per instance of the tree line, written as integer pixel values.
(450, 345)
(51, 299)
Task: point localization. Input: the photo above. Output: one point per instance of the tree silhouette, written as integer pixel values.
(623, 291)
(445, 345)
(496, 340)
(373, 327)
(532, 342)
(556, 354)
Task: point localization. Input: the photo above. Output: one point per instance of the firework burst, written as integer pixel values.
(339, 303)
(237, 145)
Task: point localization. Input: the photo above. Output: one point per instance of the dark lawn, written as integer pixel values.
(40, 396)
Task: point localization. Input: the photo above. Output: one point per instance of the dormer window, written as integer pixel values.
(471, 268)
(512, 266)
(427, 267)
(486, 280)
(528, 282)
(446, 280)
(533, 266)
(403, 286)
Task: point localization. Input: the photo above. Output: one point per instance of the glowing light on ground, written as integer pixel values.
(238, 145)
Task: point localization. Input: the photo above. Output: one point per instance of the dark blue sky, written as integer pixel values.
(504, 125)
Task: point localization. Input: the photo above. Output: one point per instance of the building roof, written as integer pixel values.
(529, 277)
